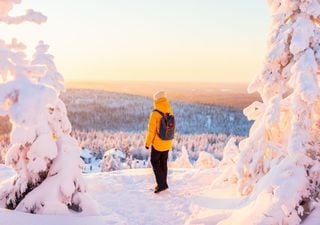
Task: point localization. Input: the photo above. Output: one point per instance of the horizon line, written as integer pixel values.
(158, 81)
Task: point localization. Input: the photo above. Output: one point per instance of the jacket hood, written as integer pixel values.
(163, 105)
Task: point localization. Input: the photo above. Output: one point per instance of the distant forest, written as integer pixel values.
(222, 94)
(109, 111)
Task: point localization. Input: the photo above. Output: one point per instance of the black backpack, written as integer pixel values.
(167, 126)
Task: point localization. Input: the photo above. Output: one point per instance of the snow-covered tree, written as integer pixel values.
(278, 165)
(43, 154)
(183, 160)
(206, 160)
(112, 160)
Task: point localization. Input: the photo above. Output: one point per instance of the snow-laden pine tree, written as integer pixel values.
(43, 154)
(206, 160)
(112, 160)
(278, 166)
(183, 160)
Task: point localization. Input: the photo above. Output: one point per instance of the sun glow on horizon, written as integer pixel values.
(189, 40)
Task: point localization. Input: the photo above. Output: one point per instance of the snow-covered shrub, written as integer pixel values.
(230, 152)
(42, 152)
(206, 160)
(112, 160)
(278, 164)
(228, 163)
(182, 161)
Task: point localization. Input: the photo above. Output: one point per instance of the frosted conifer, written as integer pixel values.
(278, 166)
(45, 157)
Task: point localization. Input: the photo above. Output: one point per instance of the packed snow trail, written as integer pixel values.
(126, 197)
(129, 194)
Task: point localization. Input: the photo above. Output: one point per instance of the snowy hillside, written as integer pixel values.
(108, 111)
(125, 197)
(101, 110)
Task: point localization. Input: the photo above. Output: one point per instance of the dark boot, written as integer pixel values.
(159, 189)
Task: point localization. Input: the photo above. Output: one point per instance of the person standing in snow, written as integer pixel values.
(160, 135)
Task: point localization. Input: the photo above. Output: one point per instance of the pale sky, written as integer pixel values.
(180, 40)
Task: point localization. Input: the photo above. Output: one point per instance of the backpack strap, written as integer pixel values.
(162, 114)
(158, 111)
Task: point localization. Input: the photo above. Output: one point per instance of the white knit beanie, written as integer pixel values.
(159, 94)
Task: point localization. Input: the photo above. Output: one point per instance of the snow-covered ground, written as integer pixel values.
(126, 197)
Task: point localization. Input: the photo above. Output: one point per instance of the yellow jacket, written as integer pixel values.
(153, 138)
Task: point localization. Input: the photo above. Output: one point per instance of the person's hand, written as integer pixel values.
(147, 147)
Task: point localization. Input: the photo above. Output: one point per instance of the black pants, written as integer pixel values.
(159, 161)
